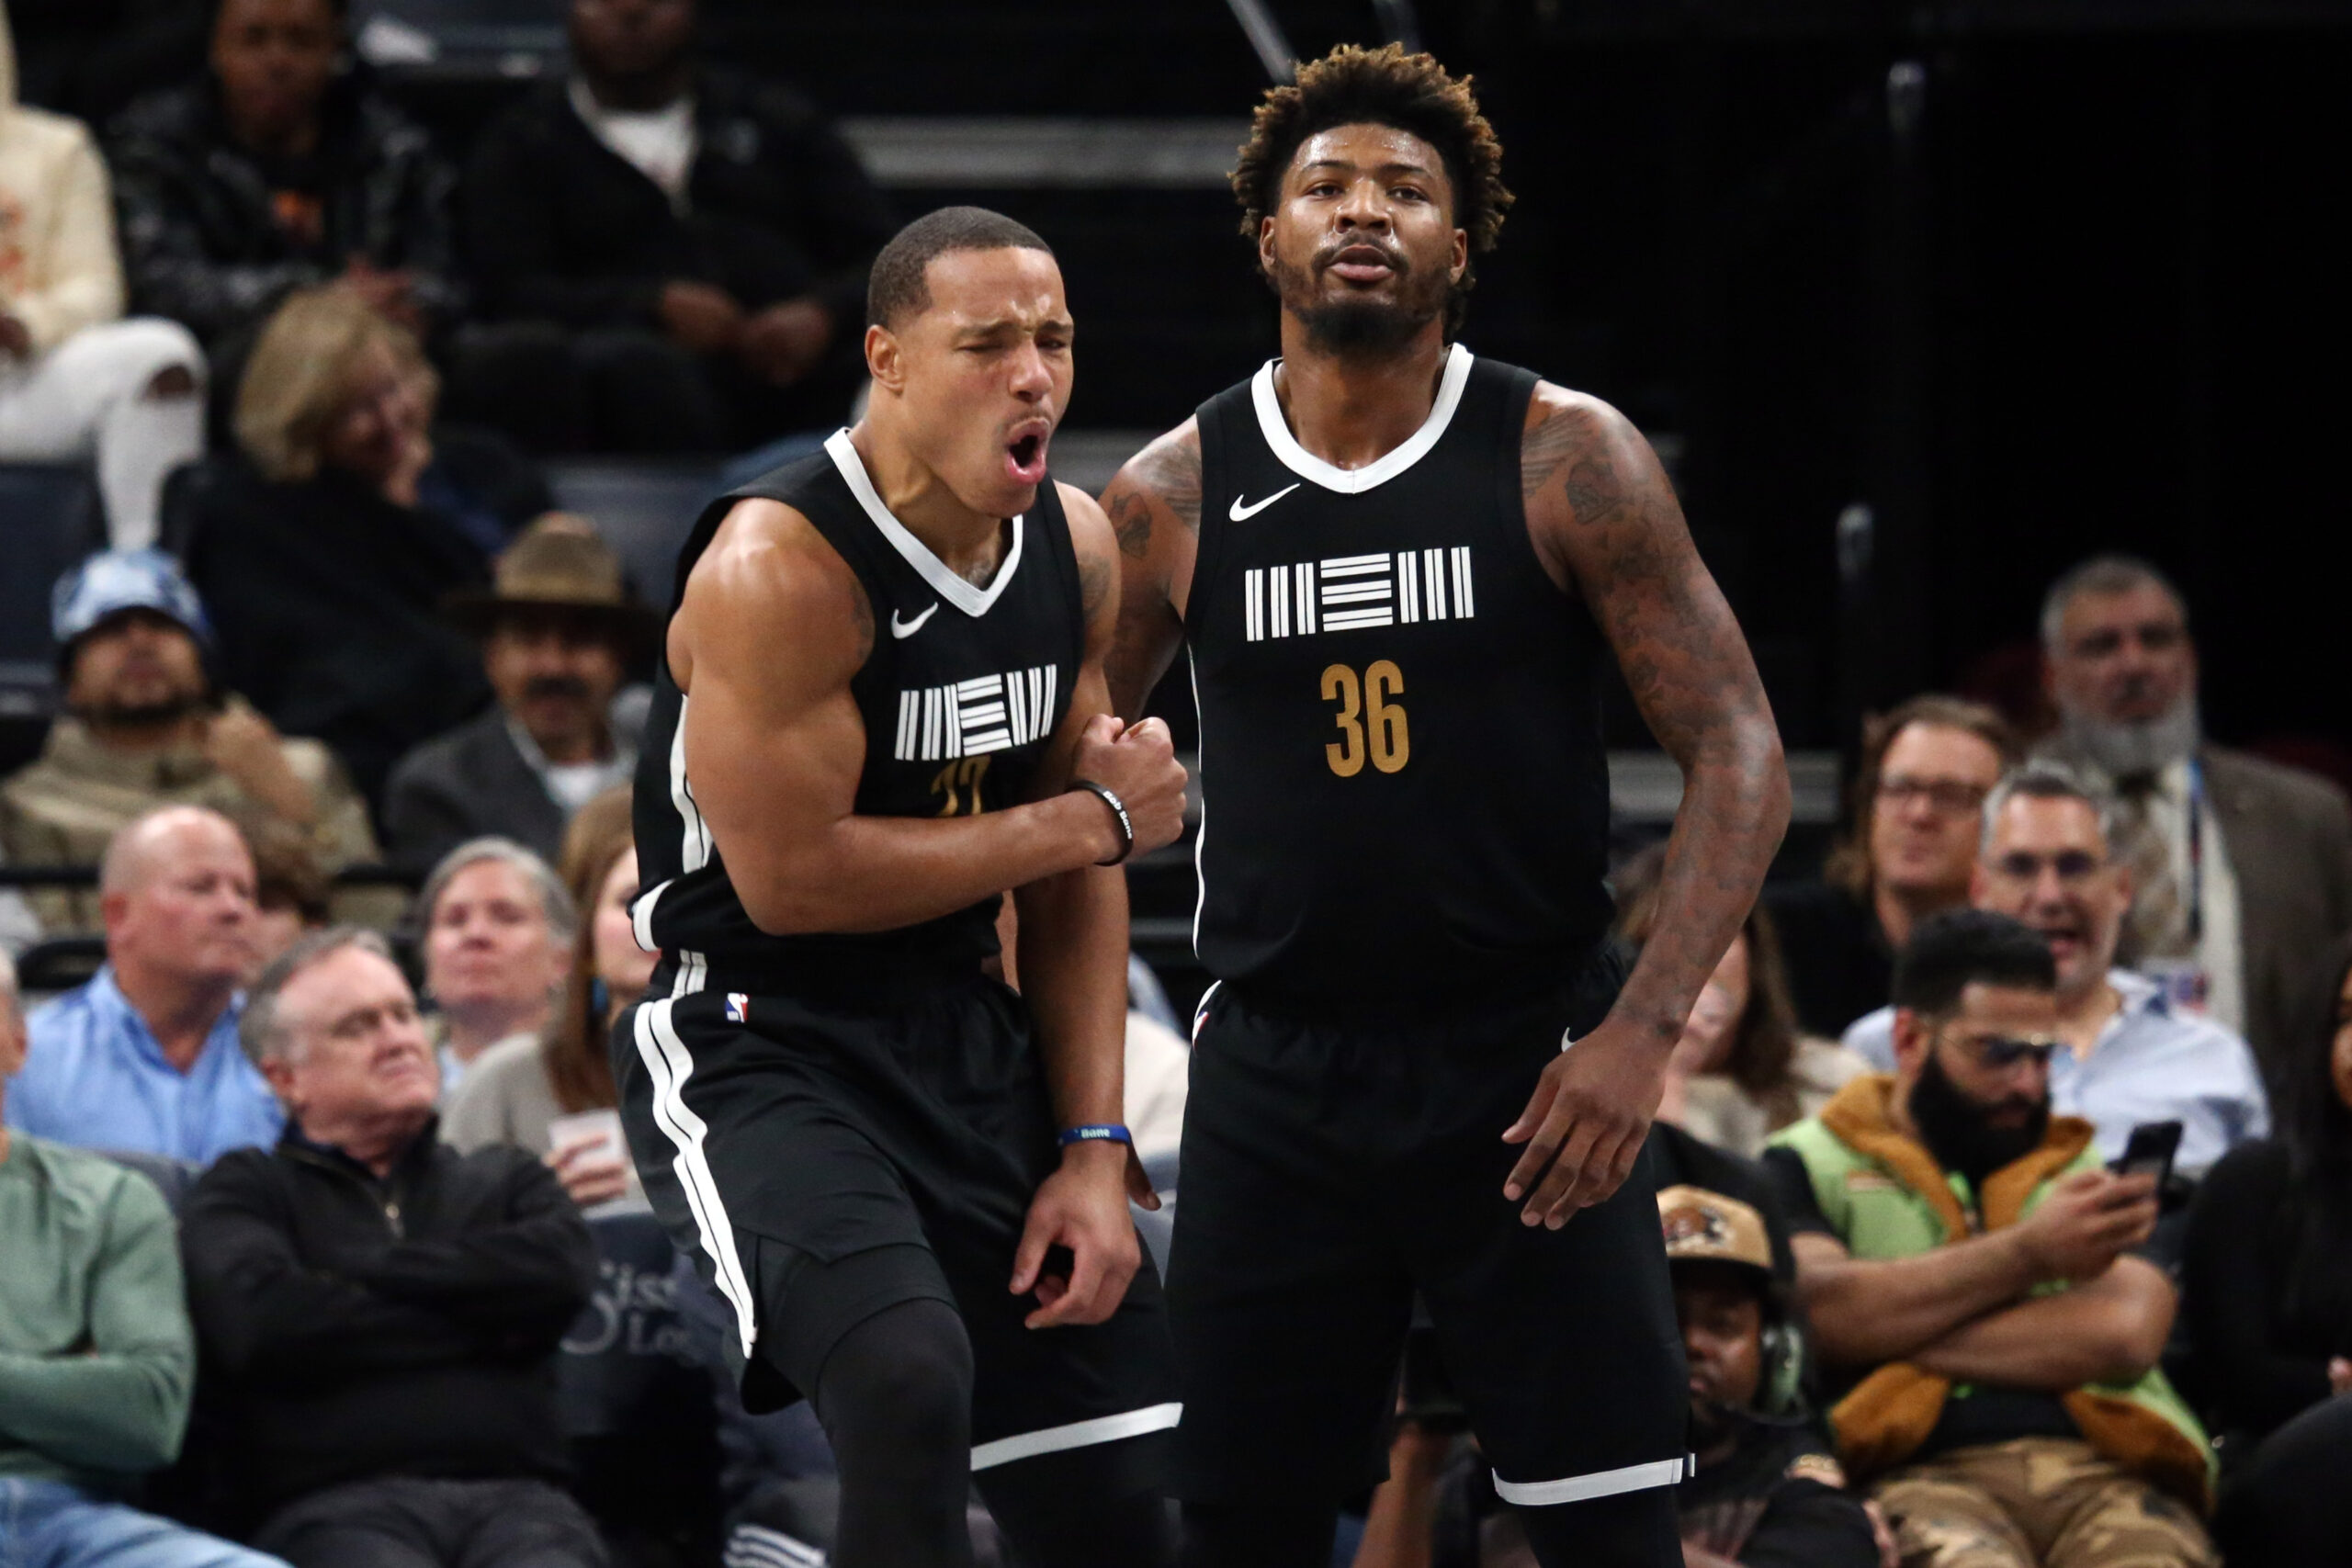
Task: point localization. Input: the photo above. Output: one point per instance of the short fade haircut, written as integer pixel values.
(896, 288)
(1412, 92)
(554, 898)
(2045, 779)
(2101, 574)
(1957, 948)
(260, 1031)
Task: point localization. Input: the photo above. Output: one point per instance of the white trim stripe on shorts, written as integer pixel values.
(1599, 1483)
(1077, 1435)
(670, 1065)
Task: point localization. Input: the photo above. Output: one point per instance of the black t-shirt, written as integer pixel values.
(1839, 963)
(1976, 1414)
(1777, 1502)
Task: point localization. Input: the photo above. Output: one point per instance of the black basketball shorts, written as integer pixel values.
(1332, 1171)
(823, 1161)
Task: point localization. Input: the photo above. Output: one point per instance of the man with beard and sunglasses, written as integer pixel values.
(1402, 571)
(560, 631)
(1969, 1272)
(2130, 1053)
(2242, 868)
(146, 726)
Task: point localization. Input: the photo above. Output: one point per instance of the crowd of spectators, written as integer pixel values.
(297, 1245)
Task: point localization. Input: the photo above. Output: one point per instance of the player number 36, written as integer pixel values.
(1372, 723)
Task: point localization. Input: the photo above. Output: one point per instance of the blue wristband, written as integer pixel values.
(1098, 1133)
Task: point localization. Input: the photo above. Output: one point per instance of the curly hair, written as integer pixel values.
(1412, 92)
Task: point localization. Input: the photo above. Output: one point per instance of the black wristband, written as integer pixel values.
(1118, 813)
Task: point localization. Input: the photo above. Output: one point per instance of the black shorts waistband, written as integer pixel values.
(1523, 982)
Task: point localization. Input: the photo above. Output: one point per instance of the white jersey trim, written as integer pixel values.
(973, 600)
(1077, 1435)
(670, 1065)
(1355, 481)
(1600, 1484)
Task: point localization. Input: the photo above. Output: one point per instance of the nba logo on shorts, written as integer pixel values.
(737, 1007)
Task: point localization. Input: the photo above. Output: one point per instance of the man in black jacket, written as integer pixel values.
(272, 172)
(676, 254)
(381, 1313)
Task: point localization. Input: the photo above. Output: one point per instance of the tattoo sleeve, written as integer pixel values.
(1599, 505)
(1154, 504)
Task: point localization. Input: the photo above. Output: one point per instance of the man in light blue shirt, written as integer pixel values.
(145, 1057)
(2131, 1056)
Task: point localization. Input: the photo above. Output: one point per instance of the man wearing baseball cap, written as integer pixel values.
(145, 726)
(1766, 1492)
(560, 631)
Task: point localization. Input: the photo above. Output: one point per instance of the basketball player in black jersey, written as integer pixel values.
(1397, 568)
(883, 704)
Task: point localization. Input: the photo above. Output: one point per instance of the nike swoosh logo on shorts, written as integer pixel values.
(908, 628)
(1242, 514)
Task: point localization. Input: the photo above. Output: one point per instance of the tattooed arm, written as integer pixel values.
(1605, 524)
(1155, 508)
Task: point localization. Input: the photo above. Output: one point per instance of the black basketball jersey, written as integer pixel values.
(963, 690)
(1404, 793)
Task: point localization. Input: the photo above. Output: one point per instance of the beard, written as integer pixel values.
(1362, 328)
(2145, 746)
(1958, 1130)
(157, 714)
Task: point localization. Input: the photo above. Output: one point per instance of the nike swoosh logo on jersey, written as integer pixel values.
(909, 629)
(1242, 514)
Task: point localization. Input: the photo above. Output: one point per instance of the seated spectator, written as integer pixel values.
(2127, 1053)
(2242, 868)
(292, 896)
(76, 380)
(498, 931)
(1741, 1071)
(522, 1091)
(677, 253)
(1926, 767)
(97, 1359)
(1964, 1255)
(145, 1057)
(1765, 1491)
(146, 726)
(2267, 1280)
(329, 546)
(383, 1311)
(558, 631)
(274, 171)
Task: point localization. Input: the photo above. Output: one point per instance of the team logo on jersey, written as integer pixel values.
(738, 1008)
(1341, 593)
(969, 718)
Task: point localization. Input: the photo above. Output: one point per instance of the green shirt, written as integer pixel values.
(97, 1358)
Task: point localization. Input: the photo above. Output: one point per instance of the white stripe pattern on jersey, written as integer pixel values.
(1341, 593)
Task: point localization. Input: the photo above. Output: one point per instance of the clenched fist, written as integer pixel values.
(1137, 763)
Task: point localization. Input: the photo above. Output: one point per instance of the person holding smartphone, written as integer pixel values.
(1970, 1271)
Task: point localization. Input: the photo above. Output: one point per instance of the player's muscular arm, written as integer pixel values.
(1607, 527)
(771, 627)
(1073, 966)
(1154, 504)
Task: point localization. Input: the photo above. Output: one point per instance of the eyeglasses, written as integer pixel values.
(1951, 796)
(2072, 867)
(2001, 1053)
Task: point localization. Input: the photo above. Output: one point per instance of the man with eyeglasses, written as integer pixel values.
(2131, 1054)
(1969, 1269)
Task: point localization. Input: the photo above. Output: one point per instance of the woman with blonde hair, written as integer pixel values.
(554, 1094)
(327, 545)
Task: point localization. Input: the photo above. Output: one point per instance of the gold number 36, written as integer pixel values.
(1371, 723)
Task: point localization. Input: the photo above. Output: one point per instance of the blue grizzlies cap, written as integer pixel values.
(114, 581)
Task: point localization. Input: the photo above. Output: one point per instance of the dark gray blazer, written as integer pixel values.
(461, 785)
(2288, 834)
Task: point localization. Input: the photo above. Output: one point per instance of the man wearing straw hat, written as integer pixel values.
(560, 631)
